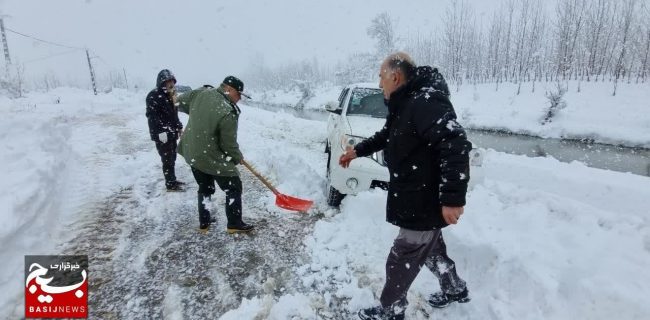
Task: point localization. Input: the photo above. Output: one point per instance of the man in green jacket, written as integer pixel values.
(209, 145)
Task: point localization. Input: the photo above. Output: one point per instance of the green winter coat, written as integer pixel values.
(209, 142)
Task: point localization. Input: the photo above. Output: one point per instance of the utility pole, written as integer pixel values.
(126, 82)
(92, 72)
(5, 46)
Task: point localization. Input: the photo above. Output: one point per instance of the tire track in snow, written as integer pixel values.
(147, 258)
(140, 264)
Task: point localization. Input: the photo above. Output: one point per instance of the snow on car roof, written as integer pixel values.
(369, 85)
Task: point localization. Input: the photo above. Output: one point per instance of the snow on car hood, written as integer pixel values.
(365, 126)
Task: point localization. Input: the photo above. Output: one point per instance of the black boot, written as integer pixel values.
(381, 313)
(204, 214)
(175, 186)
(233, 213)
(206, 226)
(241, 227)
(441, 299)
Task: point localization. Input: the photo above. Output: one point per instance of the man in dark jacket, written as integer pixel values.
(210, 147)
(427, 154)
(164, 126)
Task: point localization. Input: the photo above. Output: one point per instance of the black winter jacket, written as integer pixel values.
(161, 113)
(426, 151)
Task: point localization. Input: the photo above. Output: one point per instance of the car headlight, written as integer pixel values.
(349, 141)
(352, 183)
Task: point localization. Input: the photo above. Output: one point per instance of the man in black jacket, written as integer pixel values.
(164, 126)
(427, 154)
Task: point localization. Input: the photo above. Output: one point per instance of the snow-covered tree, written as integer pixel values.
(382, 30)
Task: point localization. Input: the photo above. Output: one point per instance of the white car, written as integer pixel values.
(359, 113)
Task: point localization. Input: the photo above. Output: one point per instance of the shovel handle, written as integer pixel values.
(261, 177)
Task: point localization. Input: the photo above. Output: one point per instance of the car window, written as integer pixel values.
(367, 102)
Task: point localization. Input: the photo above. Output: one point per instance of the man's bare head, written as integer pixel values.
(395, 71)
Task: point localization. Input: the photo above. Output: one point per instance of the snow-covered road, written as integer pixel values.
(91, 184)
(540, 239)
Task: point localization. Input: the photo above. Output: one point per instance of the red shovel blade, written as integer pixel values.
(291, 203)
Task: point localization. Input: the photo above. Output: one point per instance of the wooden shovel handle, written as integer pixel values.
(261, 177)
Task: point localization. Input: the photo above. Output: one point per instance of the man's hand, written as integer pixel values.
(452, 214)
(347, 157)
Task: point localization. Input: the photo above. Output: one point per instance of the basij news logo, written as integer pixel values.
(56, 286)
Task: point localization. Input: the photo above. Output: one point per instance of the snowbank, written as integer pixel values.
(62, 150)
(540, 240)
(279, 97)
(315, 99)
(592, 113)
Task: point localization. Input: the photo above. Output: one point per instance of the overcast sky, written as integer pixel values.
(202, 41)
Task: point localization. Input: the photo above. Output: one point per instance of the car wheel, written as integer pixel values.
(334, 197)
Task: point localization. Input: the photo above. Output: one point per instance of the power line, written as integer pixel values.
(90, 66)
(44, 41)
(52, 55)
(104, 61)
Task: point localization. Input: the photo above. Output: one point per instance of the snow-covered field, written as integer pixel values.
(592, 113)
(540, 239)
(289, 97)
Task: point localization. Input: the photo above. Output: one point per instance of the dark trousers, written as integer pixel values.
(412, 249)
(232, 186)
(167, 152)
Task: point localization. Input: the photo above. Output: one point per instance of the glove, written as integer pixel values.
(162, 137)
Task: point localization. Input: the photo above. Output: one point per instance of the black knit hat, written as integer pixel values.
(236, 84)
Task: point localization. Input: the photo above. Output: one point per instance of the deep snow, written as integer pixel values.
(540, 239)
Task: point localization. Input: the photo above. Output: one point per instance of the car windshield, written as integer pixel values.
(367, 102)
